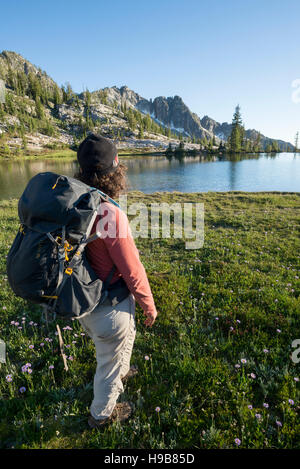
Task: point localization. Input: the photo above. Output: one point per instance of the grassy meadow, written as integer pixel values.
(69, 154)
(215, 371)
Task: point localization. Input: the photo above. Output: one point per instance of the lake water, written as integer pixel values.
(278, 172)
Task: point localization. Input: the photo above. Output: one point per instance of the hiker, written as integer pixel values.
(114, 259)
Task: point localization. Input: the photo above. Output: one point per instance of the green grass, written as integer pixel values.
(139, 152)
(67, 153)
(236, 298)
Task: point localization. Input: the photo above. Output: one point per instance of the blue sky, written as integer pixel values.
(213, 54)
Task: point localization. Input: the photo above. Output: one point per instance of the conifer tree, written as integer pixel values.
(10, 78)
(296, 141)
(237, 132)
(210, 146)
(141, 132)
(180, 151)
(275, 147)
(268, 148)
(87, 102)
(257, 143)
(169, 150)
(39, 108)
(204, 142)
(147, 123)
(34, 86)
(56, 96)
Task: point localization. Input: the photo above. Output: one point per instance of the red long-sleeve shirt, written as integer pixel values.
(117, 247)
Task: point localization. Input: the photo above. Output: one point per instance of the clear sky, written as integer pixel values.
(214, 54)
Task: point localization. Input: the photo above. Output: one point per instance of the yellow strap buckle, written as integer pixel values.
(67, 247)
(69, 271)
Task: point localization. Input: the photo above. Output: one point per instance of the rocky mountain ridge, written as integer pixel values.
(57, 115)
(172, 112)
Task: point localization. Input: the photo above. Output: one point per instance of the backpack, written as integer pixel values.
(47, 262)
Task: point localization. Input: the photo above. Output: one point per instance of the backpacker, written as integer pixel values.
(47, 263)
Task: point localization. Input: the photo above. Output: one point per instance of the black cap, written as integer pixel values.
(97, 153)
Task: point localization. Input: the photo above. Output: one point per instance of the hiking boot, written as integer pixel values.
(121, 412)
(133, 371)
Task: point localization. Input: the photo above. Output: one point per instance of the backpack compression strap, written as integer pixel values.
(64, 273)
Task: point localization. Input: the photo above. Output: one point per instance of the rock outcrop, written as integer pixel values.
(106, 110)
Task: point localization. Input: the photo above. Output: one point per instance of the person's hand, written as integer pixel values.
(151, 316)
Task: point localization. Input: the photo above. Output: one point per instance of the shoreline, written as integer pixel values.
(69, 154)
(189, 195)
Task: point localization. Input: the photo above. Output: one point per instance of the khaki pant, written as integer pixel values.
(112, 329)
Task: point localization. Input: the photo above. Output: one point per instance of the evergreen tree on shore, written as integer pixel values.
(257, 143)
(237, 135)
(296, 141)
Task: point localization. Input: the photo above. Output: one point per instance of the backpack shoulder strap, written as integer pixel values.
(105, 197)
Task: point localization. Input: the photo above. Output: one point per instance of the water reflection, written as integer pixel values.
(15, 175)
(198, 173)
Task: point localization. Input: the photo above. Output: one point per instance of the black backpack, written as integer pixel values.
(47, 263)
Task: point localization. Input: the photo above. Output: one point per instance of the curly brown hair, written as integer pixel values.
(113, 184)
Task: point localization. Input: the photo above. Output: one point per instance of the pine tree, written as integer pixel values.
(221, 146)
(237, 132)
(1, 113)
(257, 143)
(69, 92)
(56, 96)
(268, 148)
(131, 120)
(34, 86)
(169, 150)
(21, 83)
(210, 146)
(87, 102)
(9, 104)
(103, 97)
(39, 108)
(296, 141)
(247, 145)
(275, 147)
(204, 142)
(141, 132)
(180, 151)
(10, 78)
(147, 123)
